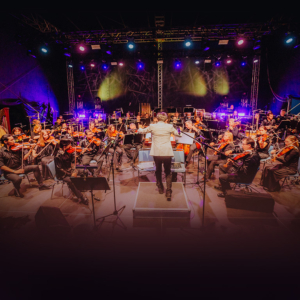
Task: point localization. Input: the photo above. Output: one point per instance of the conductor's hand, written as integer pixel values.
(21, 171)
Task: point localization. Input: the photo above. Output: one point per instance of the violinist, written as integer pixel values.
(263, 143)
(191, 129)
(282, 116)
(234, 129)
(176, 120)
(11, 164)
(64, 128)
(249, 161)
(132, 158)
(92, 149)
(226, 147)
(154, 121)
(36, 131)
(18, 134)
(65, 168)
(146, 120)
(44, 152)
(269, 122)
(57, 126)
(92, 128)
(112, 134)
(121, 125)
(288, 158)
(199, 124)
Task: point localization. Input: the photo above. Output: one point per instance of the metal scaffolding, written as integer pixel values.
(255, 82)
(160, 75)
(70, 82)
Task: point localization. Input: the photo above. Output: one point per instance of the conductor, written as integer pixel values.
(161, 150)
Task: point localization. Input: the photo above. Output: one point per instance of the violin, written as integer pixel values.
(95, 141)
(73, 149)
(221, 146)
(78, 134)
(262, 139)
(96, 130)
(239, 156)
(284, 151)
(51, 139)
(18, 147)
(183, 147)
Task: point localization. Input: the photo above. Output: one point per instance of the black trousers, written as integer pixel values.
(86, 159)
(127, 148)
(45, 171)
(225, 180)
(166, 161)
(212, 161)
(72, 187)
(16, 179)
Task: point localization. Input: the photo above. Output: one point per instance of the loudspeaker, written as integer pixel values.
(249, 201)
(51, 220)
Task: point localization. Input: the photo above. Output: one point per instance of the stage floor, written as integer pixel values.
(237, 241)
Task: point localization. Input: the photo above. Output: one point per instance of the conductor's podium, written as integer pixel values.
(150, 204)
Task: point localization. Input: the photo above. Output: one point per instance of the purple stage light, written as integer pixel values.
(241, 114)
(82, 68)
(108, 52)
(177, 65)
(104, 66)
(243, 63)
(206, 48)
(81, 116)
(140, 66)
(217, 64)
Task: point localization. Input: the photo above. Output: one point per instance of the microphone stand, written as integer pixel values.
(116, 211)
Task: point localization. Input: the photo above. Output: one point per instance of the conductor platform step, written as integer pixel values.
(150, 204)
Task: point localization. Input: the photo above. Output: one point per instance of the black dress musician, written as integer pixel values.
(226, 147)
(282, 116)
(11, 165)
(64, 164)
(263, 143)
(121, 125)
(269, 122)
(44, 152)
(248, 167)
(132, 158)
(191, 129)
(92, 149)
(288, 158)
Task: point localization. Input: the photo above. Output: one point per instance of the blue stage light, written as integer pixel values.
(130, 45)
(177, 64)
(217, 63)
(82, 68)
(243, 63)
(104, 66)
(289, 40)
(44, 50)
(140, 65)
(188, 43)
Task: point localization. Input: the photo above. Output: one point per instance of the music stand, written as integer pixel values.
(91, 184)
(284, 124)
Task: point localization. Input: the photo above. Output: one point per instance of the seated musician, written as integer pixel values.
(269, 122)
(176, 118)
(64, 164)
(91, 150)
(57, 127)
(63, 129)
(112, 134)
(44, 152)
(190, 128)
(263, 143)
(288, 158)
(245, 172)
(199, 123)
(18, 135)
(147, 120)
(281, 117)
(69, 133)
(36, 131)
(226, 147)
(121, 125)
(155, 120)
(11, 165)
(131, 158)
(234, 129)
(92, 128)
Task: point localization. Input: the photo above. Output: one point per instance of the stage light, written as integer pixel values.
(140, 65)
(217, 63)
(197, 62)
(256, 45)
(228, 61)
(82, 68)
(108, 52)
(255, 60)
(206, 49)
(70, 66)
(44, 49)
(30, 53)
(81, 48)
(81, 116)
(243, 63)
(121, 64)
(289, 40)
(67, 54)
(131, 45)
(104, 66)
(177, 64)
(92, 65)
(188, 43)
(241, 114)
(240, 41)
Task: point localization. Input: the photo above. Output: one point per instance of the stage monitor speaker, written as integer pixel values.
(50, 220)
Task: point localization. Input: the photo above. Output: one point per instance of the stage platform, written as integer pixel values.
(150, 204)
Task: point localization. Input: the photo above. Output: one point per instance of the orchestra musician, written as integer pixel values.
(64, 164)
(155, 120)
(18, 134)
(121, 125)
(44, 152)
(132, 158)
(233, 128)
(288, 158)
(190, 128)
(147, 120)
(269, 122)
(36, 131)
(263, 143)
(281, 117)
(248, 167)
(92, 149)
(11, 164)
(161, 150)
(226, 147)
(58, 125)
(112, 134)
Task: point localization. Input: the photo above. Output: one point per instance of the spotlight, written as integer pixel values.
(67, 54)
(70, 66)
(240, 41)
(289, 40)
(82, 68)
(92, 65)
(131, 45)
(256, 45)
(108, 52)
(243, 63)
(44, 49)
(140, 65)
(81, 48)
(228, 61)
(206, 49)
(104, 66)
(121, 64)
(197, 62)
(217, 63)
(255, 60)
(187, 41)
(177, 64)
